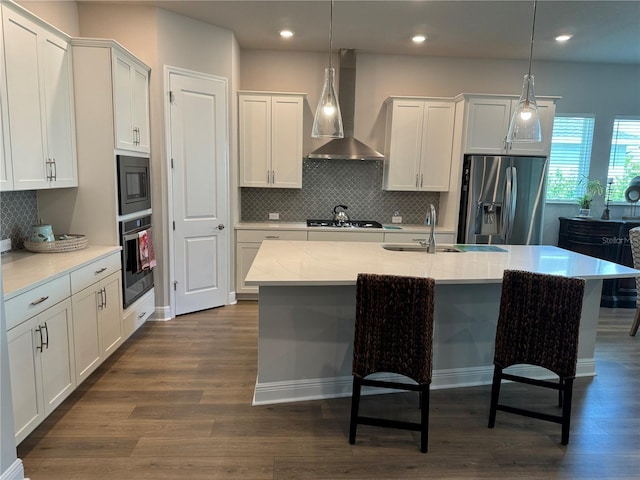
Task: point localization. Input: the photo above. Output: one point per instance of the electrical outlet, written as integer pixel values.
(396, 219)
(5, 245)
(274, 216)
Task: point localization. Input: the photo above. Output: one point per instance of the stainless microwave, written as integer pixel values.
(134, 184)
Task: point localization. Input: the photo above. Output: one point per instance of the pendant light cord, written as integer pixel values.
(331, 35)
(533, 28)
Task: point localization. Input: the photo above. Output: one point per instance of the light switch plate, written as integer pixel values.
(396, 219)
(274, 216)
(5, 245)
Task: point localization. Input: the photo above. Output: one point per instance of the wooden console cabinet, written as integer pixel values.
(608, 240)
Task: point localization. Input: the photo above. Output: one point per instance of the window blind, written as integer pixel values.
(624, 159)
(570, 157)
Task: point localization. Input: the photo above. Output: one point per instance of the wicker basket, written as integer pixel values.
(62, 243)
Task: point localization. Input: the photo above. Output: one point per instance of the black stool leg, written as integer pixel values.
(355, 406)
(424, 419)
(561, 392)
(566, 409)
(495, 393)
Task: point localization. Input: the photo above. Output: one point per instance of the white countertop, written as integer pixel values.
(299, 263)
(401, 227)
(23, 270)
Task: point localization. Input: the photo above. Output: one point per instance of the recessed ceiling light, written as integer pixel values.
(563, 38)
(419, 38)
(286, 34)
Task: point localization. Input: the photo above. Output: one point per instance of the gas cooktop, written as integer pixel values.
(349, 224)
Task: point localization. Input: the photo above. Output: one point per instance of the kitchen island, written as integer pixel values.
(307, 310)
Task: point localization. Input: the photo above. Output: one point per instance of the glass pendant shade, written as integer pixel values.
(327, 122)
(525, 123)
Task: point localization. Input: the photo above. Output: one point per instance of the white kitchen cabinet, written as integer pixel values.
(6, 170)
(131, 102)
(487, 123)
(137, 313)
(39, 102)
(270, 132)
(41, 362)
(418, 144)
(97, 313)
(93, 208)
(247, 245)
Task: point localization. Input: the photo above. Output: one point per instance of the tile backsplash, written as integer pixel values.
(18, 211)
(326, 183)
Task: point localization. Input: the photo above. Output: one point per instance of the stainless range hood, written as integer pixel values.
(347, 148)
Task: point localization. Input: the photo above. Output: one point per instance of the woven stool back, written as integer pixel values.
(539, 321)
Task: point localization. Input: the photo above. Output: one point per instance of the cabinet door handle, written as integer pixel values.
(268, 176)
(40, 300)
(272, 237)
(273, 177)
(100, 301)
(46, 329)
(55, 171)
(39, 347)
(142, 314)
(105, 297)
(416, 180)
(101, 270)
(421, 179)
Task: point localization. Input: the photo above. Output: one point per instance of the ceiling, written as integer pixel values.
(603, 31)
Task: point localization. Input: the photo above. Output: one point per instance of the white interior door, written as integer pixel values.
(198, 148)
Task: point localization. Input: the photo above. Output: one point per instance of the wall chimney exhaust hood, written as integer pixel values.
(347, 148)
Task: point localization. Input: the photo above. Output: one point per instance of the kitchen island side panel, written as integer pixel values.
(305, 343)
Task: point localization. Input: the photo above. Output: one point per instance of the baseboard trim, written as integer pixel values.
(335, 387)
(14, 472)
(161, 314)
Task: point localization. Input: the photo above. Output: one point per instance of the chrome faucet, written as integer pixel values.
(430, 220)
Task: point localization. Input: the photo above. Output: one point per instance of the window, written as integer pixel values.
(570, 157)
(624, 160)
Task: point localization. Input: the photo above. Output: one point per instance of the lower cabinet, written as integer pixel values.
(247, 245)
(97, 322)
(58, 333)
(41, 365)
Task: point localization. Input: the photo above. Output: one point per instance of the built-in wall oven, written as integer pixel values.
(137, 258)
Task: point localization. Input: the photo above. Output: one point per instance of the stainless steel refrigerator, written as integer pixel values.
(502, 200)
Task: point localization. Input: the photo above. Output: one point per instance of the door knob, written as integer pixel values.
(221, 227)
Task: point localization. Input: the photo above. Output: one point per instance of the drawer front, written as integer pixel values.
(138, 313)
(31, 303)
(260, 235)
(94, 272)
(346, 236)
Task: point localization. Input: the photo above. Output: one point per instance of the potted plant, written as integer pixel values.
(592, 188)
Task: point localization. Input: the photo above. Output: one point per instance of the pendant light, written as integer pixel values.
(525, 123)
(327, 122)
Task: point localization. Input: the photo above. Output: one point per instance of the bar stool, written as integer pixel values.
(393, 334)
(538, 324)
(634, 238)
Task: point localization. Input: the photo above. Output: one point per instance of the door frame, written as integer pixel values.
(168, 70)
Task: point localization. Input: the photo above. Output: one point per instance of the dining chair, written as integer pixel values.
(538, 324)
(393, 334)
(634, 240)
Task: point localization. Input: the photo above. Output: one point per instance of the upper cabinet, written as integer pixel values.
(131, 102)
(487, 122)
(270, 133)
(37, 104)
(418, 144)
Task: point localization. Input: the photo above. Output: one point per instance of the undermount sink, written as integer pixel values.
(411, 247)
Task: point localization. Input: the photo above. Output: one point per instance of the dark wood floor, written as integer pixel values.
(175, 403)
